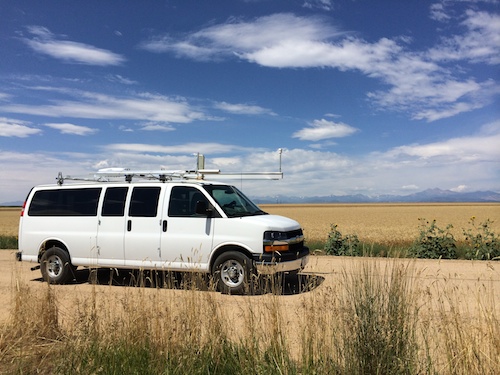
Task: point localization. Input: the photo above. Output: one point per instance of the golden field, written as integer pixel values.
(9, 221)
(385, 223)
(377, 222)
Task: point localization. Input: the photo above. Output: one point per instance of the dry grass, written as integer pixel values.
(373, 316)
(384, 223)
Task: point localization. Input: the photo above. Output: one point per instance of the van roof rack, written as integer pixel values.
(163, 175)
(114, 174)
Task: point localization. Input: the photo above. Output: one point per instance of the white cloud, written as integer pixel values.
(417, 84)
(438, 12)
(324, 129)
(90, 105)
(410, 187)
(318, 4)
(243, 109)
(480, 147)
(480, 42)
(237, 38)
(120, 79)
(459, 188)
(16, 128)
(67, 128)
(46, 43)
(153, 126)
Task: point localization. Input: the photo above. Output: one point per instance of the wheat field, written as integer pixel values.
(372, 223)
(385, 223)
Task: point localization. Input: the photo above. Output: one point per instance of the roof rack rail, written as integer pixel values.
(163, 175)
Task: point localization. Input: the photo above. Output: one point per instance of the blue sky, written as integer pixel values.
(369, 97)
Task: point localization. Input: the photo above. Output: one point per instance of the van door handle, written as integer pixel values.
(129, 225)
(164, 225)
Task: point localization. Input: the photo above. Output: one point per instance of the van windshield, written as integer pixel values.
(232, 201)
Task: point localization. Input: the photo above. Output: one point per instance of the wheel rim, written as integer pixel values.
(54, 266)
(232, 273)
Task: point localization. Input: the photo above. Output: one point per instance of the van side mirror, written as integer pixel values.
(202, 209)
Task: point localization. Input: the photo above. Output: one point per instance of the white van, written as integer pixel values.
(185, 225)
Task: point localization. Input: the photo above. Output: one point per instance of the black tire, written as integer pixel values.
(233, 273)
(55, 266)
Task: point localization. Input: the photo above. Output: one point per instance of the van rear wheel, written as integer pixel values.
(55, 266)
(232, 272)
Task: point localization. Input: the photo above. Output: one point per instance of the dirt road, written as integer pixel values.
(470, 280)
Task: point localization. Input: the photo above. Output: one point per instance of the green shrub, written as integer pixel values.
(482, 242)
(337, 244)
(8, 242)
(434, 242)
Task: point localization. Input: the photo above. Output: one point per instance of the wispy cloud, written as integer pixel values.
(154, 126)
(67, 128)
(417, 82)
(16, 128)
(243, 109)
(91, 105)
(324, 129)
(477, 147)
(120, 79)
(319, 4)
(44, 42)
(480, 43)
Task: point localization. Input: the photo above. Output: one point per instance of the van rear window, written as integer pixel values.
(65, 202)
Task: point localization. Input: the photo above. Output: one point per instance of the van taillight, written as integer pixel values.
(22, 209)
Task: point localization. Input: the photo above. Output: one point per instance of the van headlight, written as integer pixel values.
(275, 241)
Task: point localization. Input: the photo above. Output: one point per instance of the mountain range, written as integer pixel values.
(429, 195)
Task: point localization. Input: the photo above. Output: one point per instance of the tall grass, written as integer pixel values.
(375, 320)
(380, 311)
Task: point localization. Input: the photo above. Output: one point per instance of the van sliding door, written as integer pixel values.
(143, 227)
(111, 228)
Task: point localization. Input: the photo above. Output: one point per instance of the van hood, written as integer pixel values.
(271, 222)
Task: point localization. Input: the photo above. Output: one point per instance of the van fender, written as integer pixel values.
(223, 247)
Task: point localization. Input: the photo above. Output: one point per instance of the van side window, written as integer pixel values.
(183, 201)
(65, 202)
(114, 201)
(144, 202)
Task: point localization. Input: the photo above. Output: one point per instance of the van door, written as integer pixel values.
(143, 227)
(111, 228)
(186, 236)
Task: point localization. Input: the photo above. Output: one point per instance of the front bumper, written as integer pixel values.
(270, 263)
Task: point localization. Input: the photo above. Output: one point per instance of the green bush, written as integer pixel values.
(338, 244)
(8, 242)
(482, 243)
(434, 242)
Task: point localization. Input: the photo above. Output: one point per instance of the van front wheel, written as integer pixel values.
(232, 273)
(55, 266)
